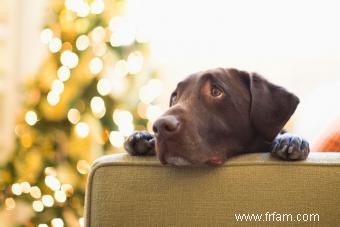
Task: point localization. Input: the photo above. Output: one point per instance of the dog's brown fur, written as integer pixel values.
(219, 113)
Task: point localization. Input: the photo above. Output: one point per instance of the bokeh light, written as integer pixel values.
(46, 35)
(38, 206)
(54, 45)
(96, 65)
(69, 59)
(63, 73)
(73, 115)
(98, 107)
(116, 139)
(82, 129)
(82, 42)
(31, 117)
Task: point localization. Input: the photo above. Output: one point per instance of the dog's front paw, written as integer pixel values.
(140, 143)
(290, 147)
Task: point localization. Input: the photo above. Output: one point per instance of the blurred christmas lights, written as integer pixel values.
(73, 116)
(98, 107)
(38, 206)
(57, 222)
(46, 35)
(31, 117)
(63, 73)
(116, 139)
(52, 182)
(82, 42)
(10, 203)
(82, 129)
(96, 65)
(47, 200)
(69, 59)
(54, 45)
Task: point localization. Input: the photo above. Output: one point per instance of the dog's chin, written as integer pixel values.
(177, 161)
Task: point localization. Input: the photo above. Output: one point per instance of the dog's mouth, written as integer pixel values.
(186, 158)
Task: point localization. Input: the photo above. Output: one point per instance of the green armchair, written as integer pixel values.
(248, 190)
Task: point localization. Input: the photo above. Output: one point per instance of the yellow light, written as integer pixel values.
(83, 166)
(52, 182)
(135, 62)
(141, 110)
(10, 203)
(60, 196)
(42, 225)
(47, 200)
(153, 112)
(82, 42)
(16, 189)
(31, 118)
(119, 85)
(38, 206)
(53, 98)
(120, 70)
(57, 222)
(69, 59)
(82, 129)
(116, 139)
(46, 35)
(35, 192)
(25, 186)
(50, 171)
(73, 116)
(55, 45)
(83, 10)
(58, 86)
(96, 65)
(104, 86)
(121, 117)
(81, 222)
(97, 7)
(63, 73)
(67, 188)
(98, 34)
(98, 107)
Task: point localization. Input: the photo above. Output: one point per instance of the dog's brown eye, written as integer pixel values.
(215, 92)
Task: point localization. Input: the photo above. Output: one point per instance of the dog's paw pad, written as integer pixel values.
(290, 147)
(140, 143)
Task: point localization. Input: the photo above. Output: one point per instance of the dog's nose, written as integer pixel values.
(166, 126)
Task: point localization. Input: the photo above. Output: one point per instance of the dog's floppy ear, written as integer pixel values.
(271, 106)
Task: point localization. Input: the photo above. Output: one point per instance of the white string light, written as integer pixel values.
(46, 35)
(31, 117)
(54, 45)
(69, 59)
(63, 73)
(96, 65)
(82, 129)
(82, 42)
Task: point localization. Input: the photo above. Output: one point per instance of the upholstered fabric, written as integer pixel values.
(138, 191)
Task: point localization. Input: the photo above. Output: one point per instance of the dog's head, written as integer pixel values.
(219, 113)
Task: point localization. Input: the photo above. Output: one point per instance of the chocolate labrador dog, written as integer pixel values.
(220, 113)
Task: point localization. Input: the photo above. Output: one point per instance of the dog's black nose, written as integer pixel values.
(166, 126)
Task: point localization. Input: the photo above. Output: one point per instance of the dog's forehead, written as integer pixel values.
(195, 77)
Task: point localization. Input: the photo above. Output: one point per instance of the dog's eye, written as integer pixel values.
(216, 92)
(173, 99)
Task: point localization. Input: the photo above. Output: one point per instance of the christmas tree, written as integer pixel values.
(94, 88)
